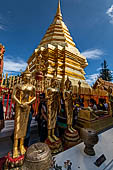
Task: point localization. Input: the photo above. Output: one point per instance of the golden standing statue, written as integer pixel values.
(53, 104)
(24, 96)
(68, 98)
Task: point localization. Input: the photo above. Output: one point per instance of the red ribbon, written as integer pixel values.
(14, 159)
(10, 109)
(3, 99)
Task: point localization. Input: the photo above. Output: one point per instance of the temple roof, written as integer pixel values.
(58, 34)
(100, 83)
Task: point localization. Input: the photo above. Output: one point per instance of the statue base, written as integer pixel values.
(71, 139)
(56, 147)
(12, 163)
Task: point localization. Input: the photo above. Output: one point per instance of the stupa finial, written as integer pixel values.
(58, 13)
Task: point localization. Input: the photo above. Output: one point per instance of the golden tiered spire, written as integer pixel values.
(58, 33)
(60, 50)
(58, 13)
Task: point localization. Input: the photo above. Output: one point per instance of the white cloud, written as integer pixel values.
(2, 27)
(98, 69)
(2, 23)
(11, 66)
(110, 14)
(112, 74)
(92, 78)
(93, 54)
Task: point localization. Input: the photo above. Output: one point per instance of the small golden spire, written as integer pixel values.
(58, 13)
(26, 72)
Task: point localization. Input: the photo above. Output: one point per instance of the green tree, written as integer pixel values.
(105, 73)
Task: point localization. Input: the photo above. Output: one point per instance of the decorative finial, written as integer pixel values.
(58, 13)
(55, 75)
(68, 82)
(26, 72)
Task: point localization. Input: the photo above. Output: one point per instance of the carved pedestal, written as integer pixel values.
(55, 147)
(12, 163)
(71, 139)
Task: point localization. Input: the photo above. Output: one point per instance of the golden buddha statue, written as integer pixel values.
(24, 96)
(68, 98)
(53, 104)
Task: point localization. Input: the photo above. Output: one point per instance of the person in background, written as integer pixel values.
(1, 114)
(62, 106)
(101, 106)
(81, 102)
(43, 135)
(106, 105)
(13, 111)
(42, 118)
(27, 138)
(75, 111)
(93, 104)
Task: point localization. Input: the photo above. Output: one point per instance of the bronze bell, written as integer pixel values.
(38, 157)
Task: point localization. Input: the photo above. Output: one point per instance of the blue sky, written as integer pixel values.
(24, 23)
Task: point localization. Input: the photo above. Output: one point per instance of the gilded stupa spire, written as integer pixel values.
(58, 33)
(59, 49)
(58, 13)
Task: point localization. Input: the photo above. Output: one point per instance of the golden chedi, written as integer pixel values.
(24, 96)
(59, 49)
